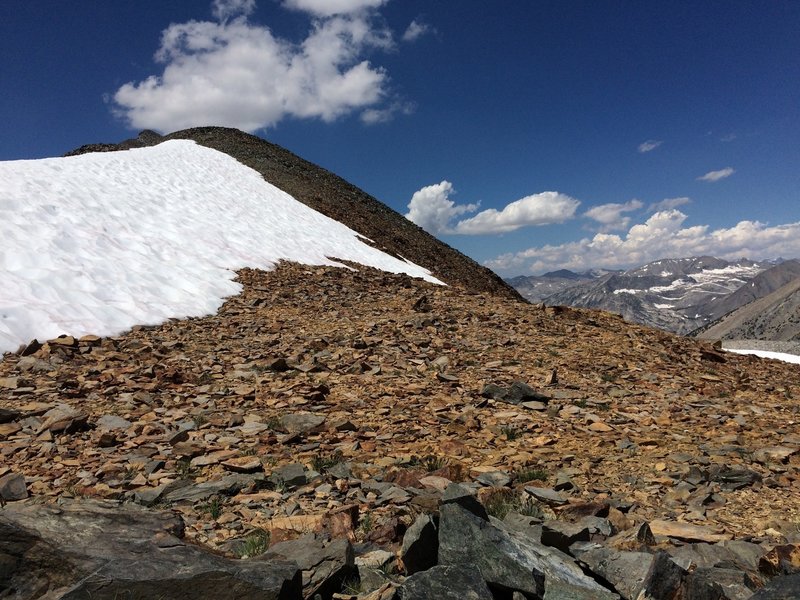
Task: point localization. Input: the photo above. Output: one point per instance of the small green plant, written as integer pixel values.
(323, 462)
(366, 524)
(274, 423)
(504, 501)
(184, 468)
(256, 542)
(526, 474)
(214, 508)
(581, 403)
(608, 377)
(199, 420)
(352, 586)
(511, 432)
(429, 462)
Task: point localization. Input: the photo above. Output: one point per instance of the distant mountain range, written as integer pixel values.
(684, 295)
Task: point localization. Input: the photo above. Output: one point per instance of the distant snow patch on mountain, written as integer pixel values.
(100, 242)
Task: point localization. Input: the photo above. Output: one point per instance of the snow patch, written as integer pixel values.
(101, 242)
(789, 358)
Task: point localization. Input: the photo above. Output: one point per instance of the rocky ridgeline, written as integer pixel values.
(364, 435)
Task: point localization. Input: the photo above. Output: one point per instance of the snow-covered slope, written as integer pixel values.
(98, 243)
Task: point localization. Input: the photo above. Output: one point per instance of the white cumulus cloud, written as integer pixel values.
(236, 73)
(432, 209)
(538, 209)
(649, 145)
(662, 235)
(610, 215)
(717, 175)
(327, 8)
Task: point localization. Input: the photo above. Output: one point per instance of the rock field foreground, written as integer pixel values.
(346, 405)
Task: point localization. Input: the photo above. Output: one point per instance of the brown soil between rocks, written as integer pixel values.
(396, 368)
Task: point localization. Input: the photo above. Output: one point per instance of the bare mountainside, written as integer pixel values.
(677, 295)
(335, 198)
(775, 316)
(326, 402)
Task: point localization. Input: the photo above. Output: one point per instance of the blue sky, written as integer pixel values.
(530, 135)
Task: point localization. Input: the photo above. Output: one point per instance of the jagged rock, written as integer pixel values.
(719, 584)
(517, 393)
(94, 550)
(562, 534)
(227, 485)
(63, 418)
(686, 531)
(781, 560)
(546, 495)
(636, 575)
(325, 563)
(420, 550)
(291, 475)
(509, 561)
(443, 582)
(780, 588)
(12, 487)
(734, 479)
(301, 423)
(496, 479)
(7, 415)
(111, 422)
(463, 497)
(779, 454)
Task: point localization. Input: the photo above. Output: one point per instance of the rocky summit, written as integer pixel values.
(349, 434)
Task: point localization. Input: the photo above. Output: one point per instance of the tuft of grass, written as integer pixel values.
(322, 462)
(256, 542)
(366, 524)
(504, 500)
(352, 586)
(429, 463)
(199, 420)
(526, 474)
(184, 469)
(511, 432)
(214, 508)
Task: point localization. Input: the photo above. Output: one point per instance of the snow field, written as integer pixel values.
(101, 242)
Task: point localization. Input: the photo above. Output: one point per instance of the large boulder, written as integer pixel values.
(511, 562)
(89, 549)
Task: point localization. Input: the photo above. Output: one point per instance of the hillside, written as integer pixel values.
(335, 198)
(775, 316)
(322, 399)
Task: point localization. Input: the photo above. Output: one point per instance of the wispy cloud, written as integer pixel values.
(237, 73)
(717, 175)
(668, 204)
(432, 209)
(610, 215)
(328, 8)
(649, 145)
(416, 30)
(662, 235)
(728, 138)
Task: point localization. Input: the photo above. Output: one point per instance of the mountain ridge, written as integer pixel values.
(334, 197)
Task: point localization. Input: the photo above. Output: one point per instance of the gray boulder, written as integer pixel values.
(420, 549)
(509, 561)
(462, 582)
(325, 563)
(89, 549)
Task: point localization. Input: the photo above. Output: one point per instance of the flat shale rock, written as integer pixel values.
(462, 582)
(94, 550)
